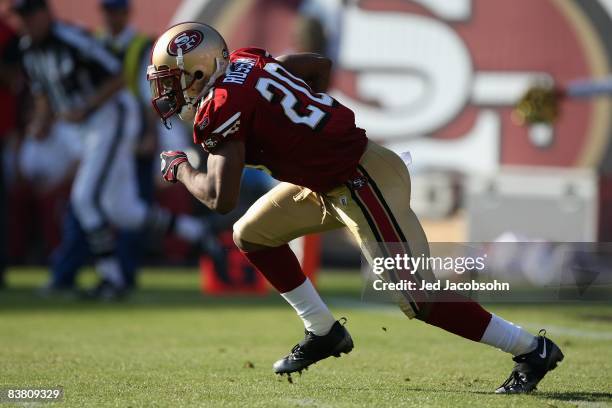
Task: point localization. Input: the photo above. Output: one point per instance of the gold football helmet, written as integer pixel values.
(185, 61)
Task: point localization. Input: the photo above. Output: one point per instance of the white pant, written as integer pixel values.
(105, 189)
(47, 162)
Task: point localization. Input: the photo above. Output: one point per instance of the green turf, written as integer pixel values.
(170, 346)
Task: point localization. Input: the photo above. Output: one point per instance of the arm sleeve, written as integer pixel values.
(90, 51)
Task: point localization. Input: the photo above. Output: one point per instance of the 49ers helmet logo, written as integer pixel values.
(186, 40)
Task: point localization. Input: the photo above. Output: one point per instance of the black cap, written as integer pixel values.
(24, 7)
(115, 4)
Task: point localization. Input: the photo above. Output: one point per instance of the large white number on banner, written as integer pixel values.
(413, 75)
(289, 84)
(417, 69)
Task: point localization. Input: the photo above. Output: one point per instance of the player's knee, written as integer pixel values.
(239, 239)
(242, 240)
(239, 242)
(238, 234)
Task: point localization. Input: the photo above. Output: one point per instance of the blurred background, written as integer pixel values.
(436, 78)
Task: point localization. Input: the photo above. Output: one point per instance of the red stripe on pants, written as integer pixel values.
(453, 312)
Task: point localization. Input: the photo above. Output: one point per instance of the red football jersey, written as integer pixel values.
(299, 136)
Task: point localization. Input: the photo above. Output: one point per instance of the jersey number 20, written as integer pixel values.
(288, 84)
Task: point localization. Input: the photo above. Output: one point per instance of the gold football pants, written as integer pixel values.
(374, 205)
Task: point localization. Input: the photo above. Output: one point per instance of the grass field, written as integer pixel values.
(170, 346)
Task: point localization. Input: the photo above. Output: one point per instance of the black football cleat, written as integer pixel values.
(315, 348)
(530, 368)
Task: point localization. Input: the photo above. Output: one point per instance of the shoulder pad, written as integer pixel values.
(259, 52)
(218, 119)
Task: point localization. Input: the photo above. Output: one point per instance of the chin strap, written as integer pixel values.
(180, 63)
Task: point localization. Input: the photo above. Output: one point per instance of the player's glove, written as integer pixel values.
(538, 105)
(170, 162)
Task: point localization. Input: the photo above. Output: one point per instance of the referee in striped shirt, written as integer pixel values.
(76, 80)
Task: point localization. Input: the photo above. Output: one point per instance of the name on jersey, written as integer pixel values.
(239, 71)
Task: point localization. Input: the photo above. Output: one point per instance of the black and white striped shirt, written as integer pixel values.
(68, 67)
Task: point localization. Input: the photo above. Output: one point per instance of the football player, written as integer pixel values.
(251, 109)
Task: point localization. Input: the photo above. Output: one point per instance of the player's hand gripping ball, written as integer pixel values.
(538, 105)
(170, 162)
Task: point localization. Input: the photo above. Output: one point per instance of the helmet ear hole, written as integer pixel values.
(198, 75)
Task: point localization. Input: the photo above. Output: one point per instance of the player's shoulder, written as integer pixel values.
(224, 97)
(231, 101)
(250, 52)
(245, 64)
(218, 116)
(215, 101)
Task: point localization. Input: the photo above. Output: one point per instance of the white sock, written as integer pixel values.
(310, 307)
(189, 228)
(108, 268)
(508, 337)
